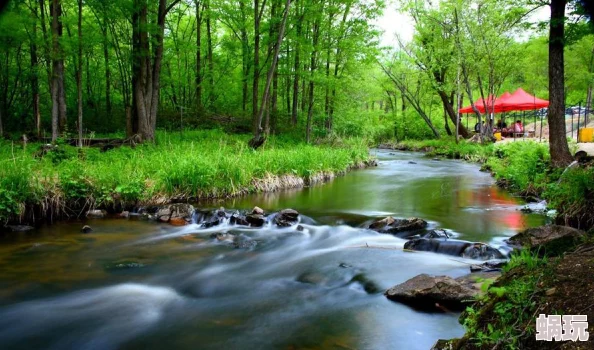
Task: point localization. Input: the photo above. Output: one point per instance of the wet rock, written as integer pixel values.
(454, 247)
(19, 228)
(86, 229)
(237, 219)
(178, 222)
(96, 214)
(163, 214)
(255, 220)
(380, 224)
(244, 242)
(393, 226)
(124, 214)
(176, 211)
(221, 213)
(549, 239)
(258, 211)
(300, 228)
(432, 292)
(411, 162)
(286, 218)
(344, 265)
(481, 251)
(436, 234)
(488, 266)
(368, 285)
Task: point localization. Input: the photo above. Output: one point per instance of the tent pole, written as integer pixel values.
(577, 135)
(541, 118)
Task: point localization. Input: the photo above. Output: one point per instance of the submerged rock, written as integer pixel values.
(286, 218)
(19, 228)
(548, 239)
(393, 226)
(244, 242)
(86, 229)
(123, 265)
(368, 285)
(479, 251)
(432, 292)
(96, 214)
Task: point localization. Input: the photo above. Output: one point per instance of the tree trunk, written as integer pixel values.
(57, 84)
(244, 57)
(559, 149)
(147, 67)
(258, 140)
(312, 65)
(211, 94)
(296, 78)
(35, 76)
(198, 77)
(79, 76)
(106, 60)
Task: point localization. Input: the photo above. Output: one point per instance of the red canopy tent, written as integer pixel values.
(520, 100)
(480, 104)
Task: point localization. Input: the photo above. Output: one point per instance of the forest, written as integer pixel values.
(309, 69)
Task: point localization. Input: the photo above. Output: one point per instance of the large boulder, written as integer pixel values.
(549, 239)
(440, 292)
(393, 226)
(286, 218)
(470, 250)
(432, 293)
(177, 212)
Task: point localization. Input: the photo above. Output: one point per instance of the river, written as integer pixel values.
(134, 284)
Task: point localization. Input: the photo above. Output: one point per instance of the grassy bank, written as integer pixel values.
(199, 164)
(524, 169)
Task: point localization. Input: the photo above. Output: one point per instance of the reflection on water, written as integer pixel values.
(138, 285)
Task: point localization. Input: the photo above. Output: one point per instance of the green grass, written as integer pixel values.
(199, 164)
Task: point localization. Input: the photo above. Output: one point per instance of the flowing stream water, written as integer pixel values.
(134, 284)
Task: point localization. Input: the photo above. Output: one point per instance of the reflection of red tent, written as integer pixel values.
(520, 100)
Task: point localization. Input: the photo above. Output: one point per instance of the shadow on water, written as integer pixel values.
(141, 285)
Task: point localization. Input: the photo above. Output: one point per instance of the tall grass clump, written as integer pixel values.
(522, 166)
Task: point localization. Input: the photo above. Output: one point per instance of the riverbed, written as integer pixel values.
(133, 284)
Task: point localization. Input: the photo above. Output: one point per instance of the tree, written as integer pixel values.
(559, 149)
(147, 61)
(57, 84)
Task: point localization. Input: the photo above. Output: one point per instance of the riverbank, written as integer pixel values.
(523, 168)
(67, 182)
(555, 281)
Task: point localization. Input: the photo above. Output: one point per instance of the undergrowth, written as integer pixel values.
(505, 313)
